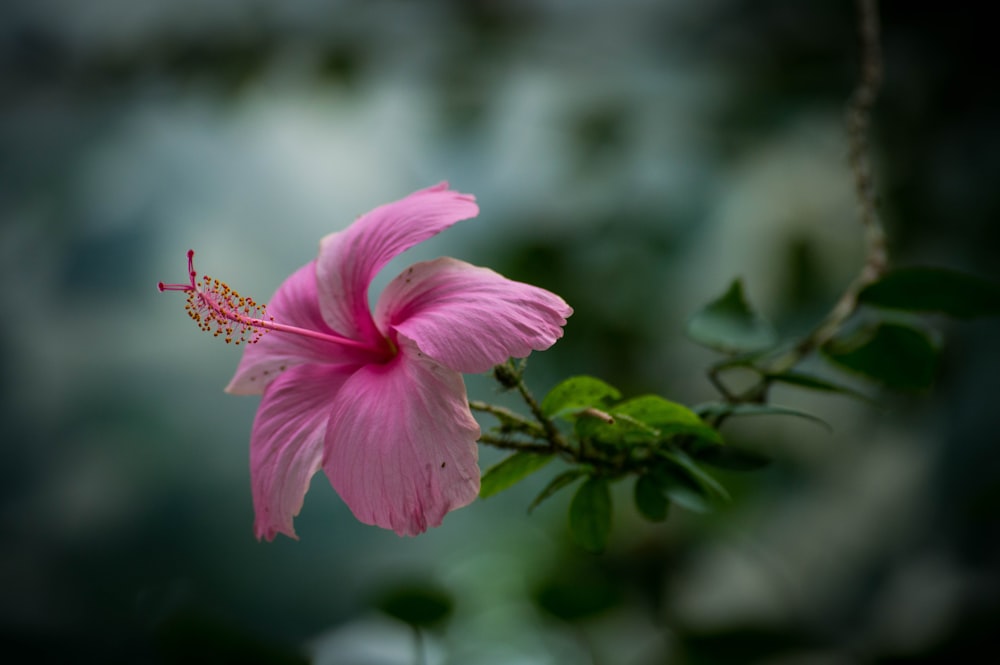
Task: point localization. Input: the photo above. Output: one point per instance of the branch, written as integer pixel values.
(858, 124)
(552, 433)
(513, 444)
(509, 418)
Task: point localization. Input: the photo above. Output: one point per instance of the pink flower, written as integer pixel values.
(377, 401)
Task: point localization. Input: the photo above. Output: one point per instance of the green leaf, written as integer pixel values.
(815, 383)
(590, 515)
(682, 490)
(697, 474)
(898, 356)
(650, 499)
(624, 430)
(511, 470)
(728, 324)
(562, 480)
(688, 496)
(577, 393)
(949, 292)
(713, 409)
(689, 499)
(646, 419)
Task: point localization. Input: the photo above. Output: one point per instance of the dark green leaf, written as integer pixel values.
(816, 383)
(728, 324)
(562, 480)
(681, 488)
(577, 393)
(713, 409)
(646, 419)
(511, 470)
(650, 499)
(624, 430)
(900, 357)
(934, 290)
(697, 474)
(590, 515)
(417, 605)
(688, 498)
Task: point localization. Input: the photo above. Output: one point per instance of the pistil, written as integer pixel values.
(218, 309)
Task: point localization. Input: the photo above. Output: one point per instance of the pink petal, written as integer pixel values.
(295, 303)
(348, 260)
(470, 318)
(401, 447)
(286, 445)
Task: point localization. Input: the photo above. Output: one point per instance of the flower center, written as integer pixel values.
(220, 310)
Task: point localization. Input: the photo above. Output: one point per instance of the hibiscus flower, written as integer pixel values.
(376, 401)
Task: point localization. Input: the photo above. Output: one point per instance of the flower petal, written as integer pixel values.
(348, 260)
(295, 303)
(286, 445)
(470, 318)
(401, 446)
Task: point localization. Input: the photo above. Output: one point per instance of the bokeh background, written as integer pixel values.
(633, 156)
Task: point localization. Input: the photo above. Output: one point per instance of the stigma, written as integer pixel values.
(218, 309)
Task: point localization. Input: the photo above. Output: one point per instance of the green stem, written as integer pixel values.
(509, 418)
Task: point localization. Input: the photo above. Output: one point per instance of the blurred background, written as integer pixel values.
(632, 156)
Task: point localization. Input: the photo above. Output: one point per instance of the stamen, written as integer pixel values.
(220, 310)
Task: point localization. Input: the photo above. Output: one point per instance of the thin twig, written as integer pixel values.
(858, 125)
(514, 444)
(509, 418)
(552, 433)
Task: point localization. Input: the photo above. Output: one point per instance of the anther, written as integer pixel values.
(218, 309)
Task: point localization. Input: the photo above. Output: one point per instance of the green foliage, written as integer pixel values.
(934, 290)
(647, 437)
(815, 383)
(666, 446)
(682, 489)
(897, 356)
(564, 479)
(576, 394)
(590, 515)
(511, 470)
(728, 324)
(645, 420)
(716, 409)
(709, 485)
(677, 478)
